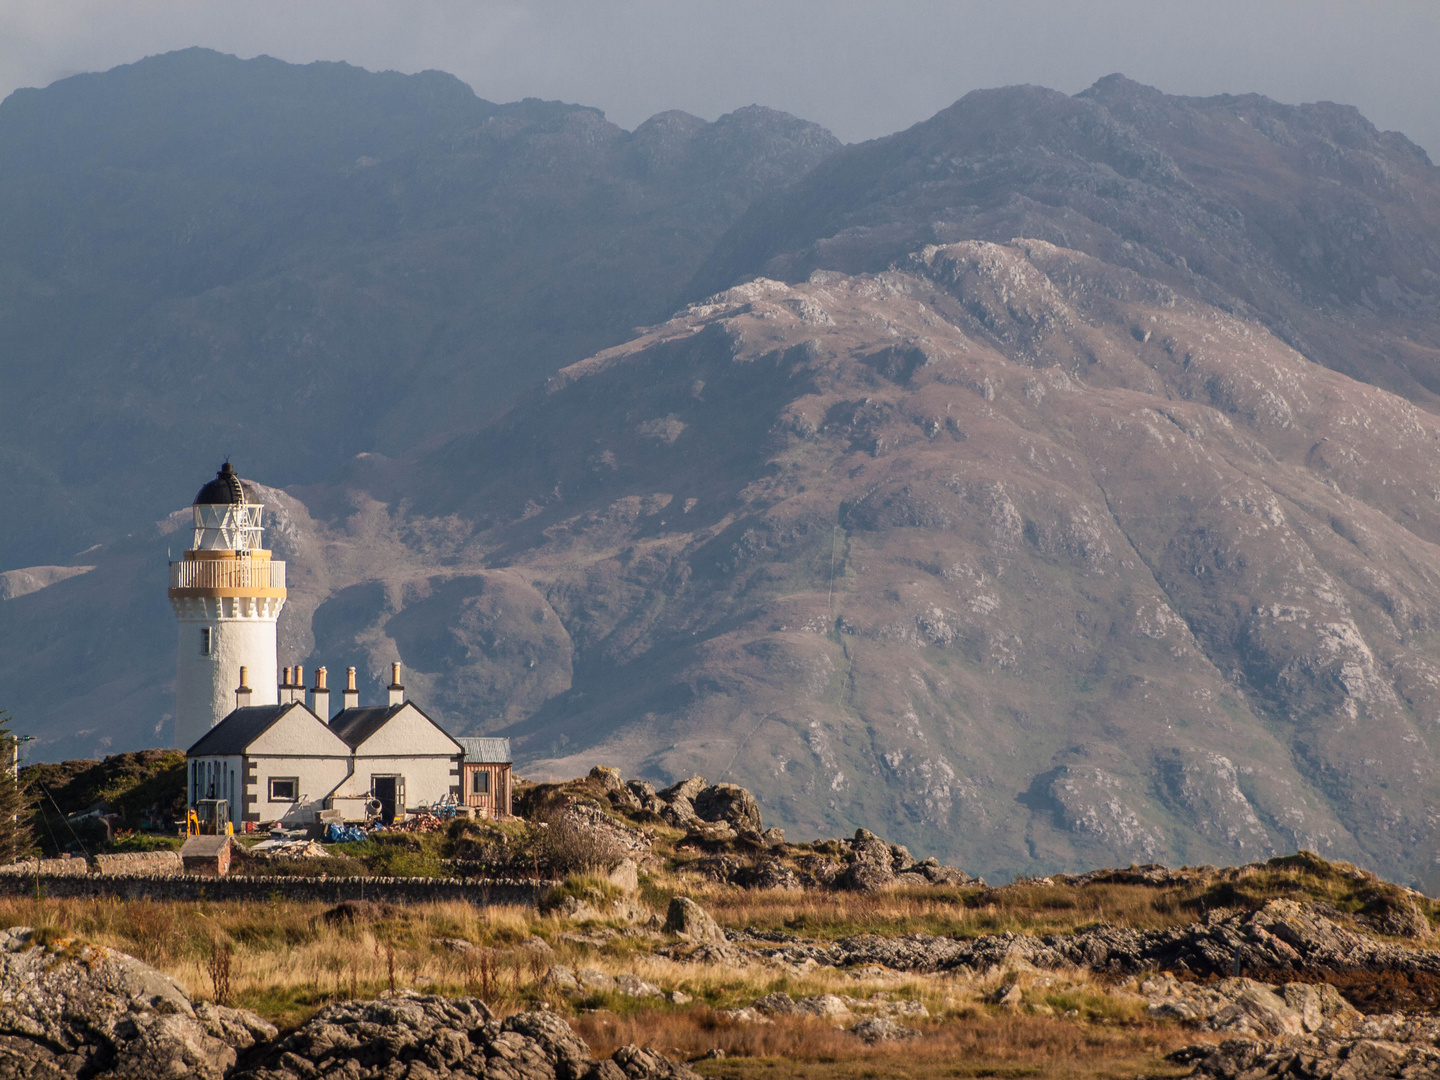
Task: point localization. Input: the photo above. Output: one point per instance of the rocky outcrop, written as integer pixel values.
(1284, 935)
(730, 803)
(1245, 1006)
(870, 863)
(1382, 1047)
(442, 1038)
(81, 1010)
(678, 801)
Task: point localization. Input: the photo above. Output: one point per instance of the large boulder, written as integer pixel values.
(688, 920)
(608, 777)
(730, 803)
(679, 800)
(408, 1034)
(76, 1009)
(871, 863)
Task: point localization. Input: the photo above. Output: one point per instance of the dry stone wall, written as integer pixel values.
(70, 885)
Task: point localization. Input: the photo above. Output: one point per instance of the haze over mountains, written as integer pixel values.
(1050, 484)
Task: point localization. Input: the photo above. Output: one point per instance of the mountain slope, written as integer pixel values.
(1111, 542)
(1027, 557)
(1305, 217)
(201, 255)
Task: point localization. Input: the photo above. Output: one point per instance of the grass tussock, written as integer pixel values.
(981, 1043)
(953, 912)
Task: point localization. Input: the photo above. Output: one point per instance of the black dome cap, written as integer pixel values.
(227, 487)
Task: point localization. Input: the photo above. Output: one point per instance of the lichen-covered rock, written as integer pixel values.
(1244, 1006)
(1282, 935)
(441, 1038)
(76, 1009)
(730, 803)
(875, 1029)
(767, 873)
(608, 777)
(1383, 1048)
(679, 800)
(871, 863)
(687, 919)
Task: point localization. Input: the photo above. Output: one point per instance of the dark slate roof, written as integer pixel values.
(485, 751)
(357, 725)
(227, 487)
(236, 732)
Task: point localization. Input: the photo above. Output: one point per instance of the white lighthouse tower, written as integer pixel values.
(227, 594)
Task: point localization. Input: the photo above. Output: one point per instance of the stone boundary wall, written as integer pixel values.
(328, 890)
(140, 862)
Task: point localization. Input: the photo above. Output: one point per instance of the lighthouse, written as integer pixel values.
(227, 594)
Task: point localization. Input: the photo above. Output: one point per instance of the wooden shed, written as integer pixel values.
(485, 776)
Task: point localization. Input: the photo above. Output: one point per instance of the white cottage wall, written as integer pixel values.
(427, 779)
(315, 778)
(408, 733)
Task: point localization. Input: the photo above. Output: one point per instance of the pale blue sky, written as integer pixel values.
(861, 68)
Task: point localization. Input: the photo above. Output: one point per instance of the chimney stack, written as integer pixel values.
(242, 692)
(285, 695)
(320, 697)
(351, 698)
(397, 692)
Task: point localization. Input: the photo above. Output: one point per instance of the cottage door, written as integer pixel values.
(383, 789)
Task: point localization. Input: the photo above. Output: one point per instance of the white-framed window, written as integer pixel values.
(284, 789)
(205, 641)
(480, 782)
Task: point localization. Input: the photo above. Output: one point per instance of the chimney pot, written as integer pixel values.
(397, 692)
(351, 697)
(320, 696)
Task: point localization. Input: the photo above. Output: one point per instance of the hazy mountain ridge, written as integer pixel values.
(1035, 553)
(1306, 217)
(311, 262)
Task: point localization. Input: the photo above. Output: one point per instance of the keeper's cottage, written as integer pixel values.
(259, 738)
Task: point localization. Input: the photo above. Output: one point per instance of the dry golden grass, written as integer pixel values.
(957, 912)
(287, 961)
(980, 1042)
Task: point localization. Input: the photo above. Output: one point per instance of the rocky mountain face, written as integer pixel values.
(1018, 554)
(1061, 494)
(1305, 218)
(201, 255)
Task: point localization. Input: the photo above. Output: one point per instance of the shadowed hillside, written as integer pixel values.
(1050, 503)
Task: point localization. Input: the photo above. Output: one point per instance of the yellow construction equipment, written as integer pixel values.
(209, 817)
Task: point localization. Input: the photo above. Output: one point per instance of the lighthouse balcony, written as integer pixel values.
(258, 576)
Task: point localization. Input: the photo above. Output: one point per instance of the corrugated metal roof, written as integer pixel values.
(486, 751)
(238, 730)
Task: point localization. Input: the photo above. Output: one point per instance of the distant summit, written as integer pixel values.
(1307, 216)
(378, 257)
